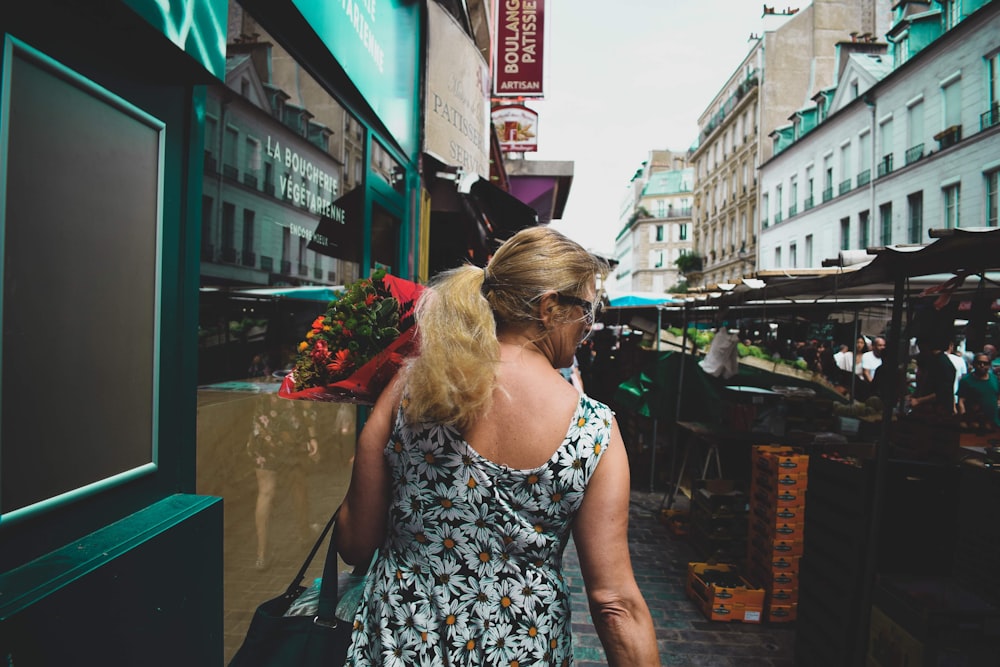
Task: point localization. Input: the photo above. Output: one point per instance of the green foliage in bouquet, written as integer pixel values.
(357, 325)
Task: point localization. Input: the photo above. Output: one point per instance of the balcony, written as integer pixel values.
(949, 136)
(777, 218)
(331, 276)
(845, 187)
(763, 223)
(885, 166)
(864, 178)
(990, 118)
(827, 194)
(809, 203)
(250, 181)
(303, 270)
(317, 273)
(914, 153)
(211, 164)
(269, 188)
(792, 210)
(248, 258)
(286, 266)
(229, 255)
(266, 263)
(229, 171)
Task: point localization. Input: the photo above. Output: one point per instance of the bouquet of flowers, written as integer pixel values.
(352, 350)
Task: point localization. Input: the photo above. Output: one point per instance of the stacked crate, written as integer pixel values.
(718, 526)
(722, 594)
(778, 482)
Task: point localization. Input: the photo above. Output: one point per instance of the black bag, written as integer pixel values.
(276, 640)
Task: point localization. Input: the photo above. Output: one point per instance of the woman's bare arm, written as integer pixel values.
(361, 524)
(600, 533)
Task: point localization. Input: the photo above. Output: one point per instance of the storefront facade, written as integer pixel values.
(156, 153)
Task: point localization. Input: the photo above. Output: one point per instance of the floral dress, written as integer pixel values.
(470, 571)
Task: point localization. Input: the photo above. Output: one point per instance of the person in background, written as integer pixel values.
(476, 465)
(978, 394)
(572, 375)
(958, 361)
(935, 386)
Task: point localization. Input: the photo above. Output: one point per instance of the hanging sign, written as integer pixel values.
(516, 127)
(517, 55)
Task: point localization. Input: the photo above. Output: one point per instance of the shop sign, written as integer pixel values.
(517, 128)
(192, 25)
(376, 42)
(517, 56)
(456, 108)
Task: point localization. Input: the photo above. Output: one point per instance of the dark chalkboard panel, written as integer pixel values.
(81, 181)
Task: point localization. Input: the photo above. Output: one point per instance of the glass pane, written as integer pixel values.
(283, 213)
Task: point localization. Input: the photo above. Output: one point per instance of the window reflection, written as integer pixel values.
(282, 208)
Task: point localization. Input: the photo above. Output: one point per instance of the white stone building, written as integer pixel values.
(896, 152)
(655, 225)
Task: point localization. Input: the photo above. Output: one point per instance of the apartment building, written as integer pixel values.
(907, 142)
(792, 59)
(655, 225)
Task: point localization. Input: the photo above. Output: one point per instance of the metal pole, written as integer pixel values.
(652, 460)
(893, 361)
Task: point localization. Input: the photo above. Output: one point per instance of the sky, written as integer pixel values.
(624, 78)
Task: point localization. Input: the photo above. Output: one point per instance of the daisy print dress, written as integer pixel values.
(470, 572)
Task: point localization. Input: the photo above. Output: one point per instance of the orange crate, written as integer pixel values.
(778, 483)
(780, 497)
(783, 462)
(772, 580)
(782, 613)
(782, 596)
(785, 514)
(733, 613)
(778, 529)
(773, 563)
(745, 593)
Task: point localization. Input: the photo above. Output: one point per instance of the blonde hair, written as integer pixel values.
(451, 381)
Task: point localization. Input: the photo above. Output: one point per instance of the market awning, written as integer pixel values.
(503, 213)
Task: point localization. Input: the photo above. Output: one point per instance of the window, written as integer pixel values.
(656, 259)
(828, 178)
(777, 258)
(793, 197)
(886, 142)
(809, 250)
(661, 210)
(793, 255)
(915, 203)
(952, 13)
(777, 204)
(993, 79)
(809, 188)
(864, 158)
(845, 233)
(951, 195)
(991, 197)
(885, 223)
(863, 230)
(659, 231)
(915, 132)
(682, 232)
(249, 258)
(951, 95)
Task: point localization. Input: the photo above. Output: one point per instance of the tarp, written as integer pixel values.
(653, 391)
(626, 299)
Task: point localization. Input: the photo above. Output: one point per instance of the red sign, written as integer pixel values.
(517, 58)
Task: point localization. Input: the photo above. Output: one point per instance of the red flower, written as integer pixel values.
(318, 322)
(370, 299)
(320, 352)
(340, 362)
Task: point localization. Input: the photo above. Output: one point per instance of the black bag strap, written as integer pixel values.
(328, 593)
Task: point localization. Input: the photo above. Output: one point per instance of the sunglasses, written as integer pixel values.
(589, 312)
(980, 363)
